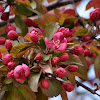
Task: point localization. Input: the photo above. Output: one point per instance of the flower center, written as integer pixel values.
(57, 44)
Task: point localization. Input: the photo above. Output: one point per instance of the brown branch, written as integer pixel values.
(49, 7)
(87, 88)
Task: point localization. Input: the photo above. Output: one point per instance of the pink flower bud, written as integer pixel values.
(8, 45)
(9, 28)
(68, 87)
(78, 50)
(61, 72)
(34, 36)
(55, 61)
(11, 65)
(88, 62)
(92, 55)
(38, 56)
(87, 52)
(0, 55)
(64, 57)
(72, 68)
(75, 55)
(69, 39)
(95, 15)
(10, 74)
(45, 83)
(28, 22)
(6, 59)
(5, 16)
(21, 72)
(2, 40)
(87, 38)
(12, 35)
(72, 31)
(1, 9)
(34, 29)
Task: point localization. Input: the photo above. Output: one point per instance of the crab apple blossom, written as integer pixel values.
(21, 72)
(10, 74)
(5, 16)
(78, 50)
(9, 28)
(87, 38)
(8, 45)
(92, 55)
(11, 65)
(58, 44)
(2, 40)
(1, 9)
(87, 52)
(71, 32)
(6, 59)
(39, 56)
(55, 61)
(64, 57)
(72, 68)
(28, 22)
(12, 35)
(95, 15)
(34, 36)
(69, 39)
(61, 72)
(45, 83)
(0, 55)
(68, 87)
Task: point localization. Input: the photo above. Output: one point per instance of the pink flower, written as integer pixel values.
(55, 61)
(2, 40)
(58, 44)
(45, 83)
(38, 56)
(10, 74)
(21, 72)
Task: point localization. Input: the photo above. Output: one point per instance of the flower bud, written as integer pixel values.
(92, 55)
(87, 38)
(71, 32)
(69, 39)
(88, 62)
(10, 74)
(86, 52)
(55, 61)
(68, 87)
(39, 56)
(0, 55)
(5, 16)
(34, 36)
(78, 50)
(1, 9)
(11, 65)
(9, 28)
(6, 59)
(75, 55)
(28, 22)
(2, 40)
(45, 83)
(61, 72)
(8, 45)
(72, 68)
(64, 57)
(12, 35)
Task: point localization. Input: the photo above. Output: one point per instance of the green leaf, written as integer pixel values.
(33, 81)
(40, 95)
(51, 29)
(46, 57)
(42, 44)
(54, 89)
(8, 81)
(20, 24)
(81, 32)
(97, 65)
(73, 60)
(33, 4)
(23, 10)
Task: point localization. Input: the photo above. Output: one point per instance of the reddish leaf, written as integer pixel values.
(70, 12)
(93, 3)
(64, 95)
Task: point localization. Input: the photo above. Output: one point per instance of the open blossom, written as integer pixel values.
(57, 44)
(21, 72)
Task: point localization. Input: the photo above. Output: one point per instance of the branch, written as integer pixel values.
(49, 7)
(87, 88)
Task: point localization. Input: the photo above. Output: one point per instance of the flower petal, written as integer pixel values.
(62, 47)
(64, 41)
(57, 36)
(48, 43)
